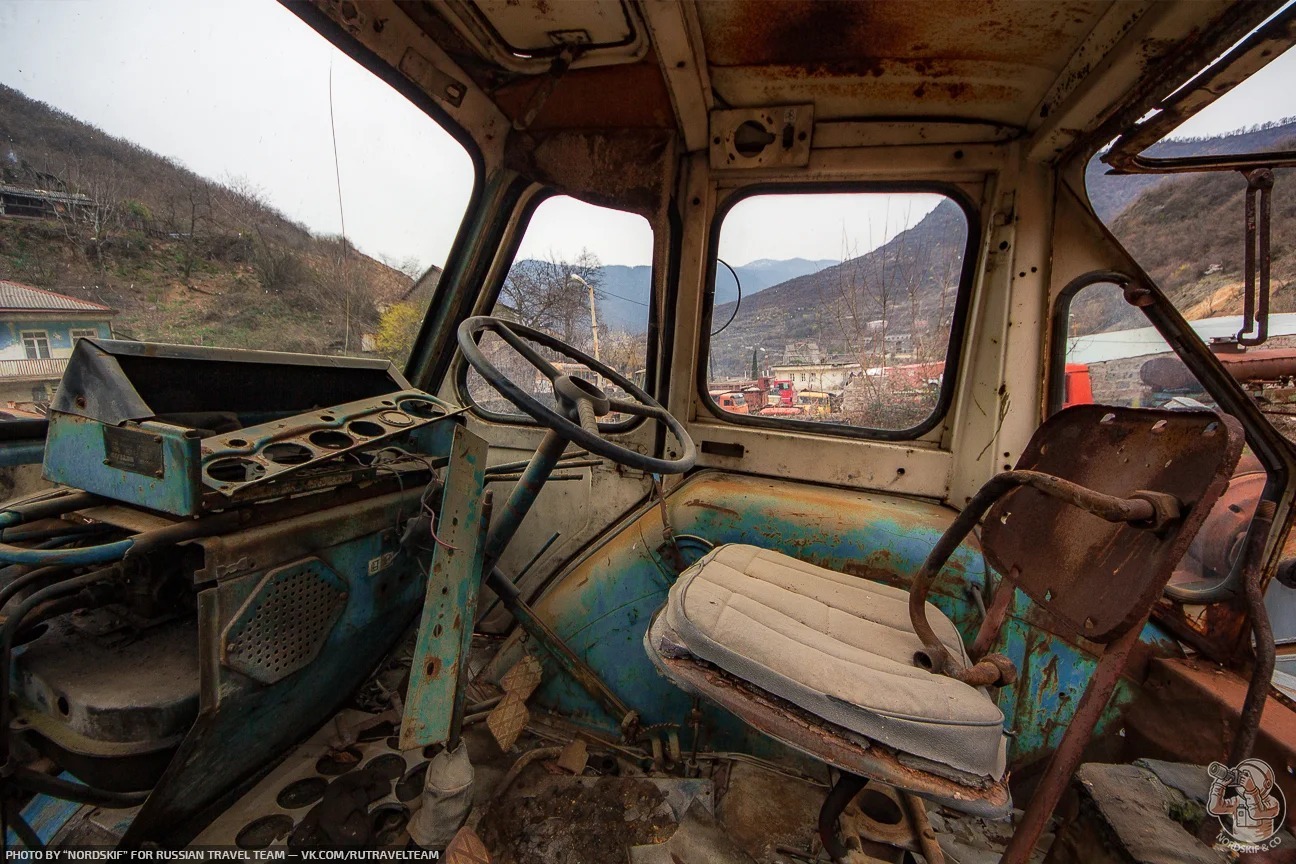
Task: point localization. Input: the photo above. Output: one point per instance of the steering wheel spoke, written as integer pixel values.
(579, 403)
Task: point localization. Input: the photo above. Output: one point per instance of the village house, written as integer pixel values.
(37, 331)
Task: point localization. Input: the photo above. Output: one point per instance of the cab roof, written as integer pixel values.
(1059, 75)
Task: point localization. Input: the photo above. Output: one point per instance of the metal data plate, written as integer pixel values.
(1097, 576)
(241, 459)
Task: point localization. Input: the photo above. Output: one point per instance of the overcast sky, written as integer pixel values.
(240, 88)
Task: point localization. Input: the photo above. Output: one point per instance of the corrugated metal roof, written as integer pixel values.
(15, 296)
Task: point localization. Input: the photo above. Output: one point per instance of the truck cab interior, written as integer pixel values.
(539, 597)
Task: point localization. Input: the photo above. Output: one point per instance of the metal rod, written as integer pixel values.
(1066, 759)
(1109, 507)
(841, 794)
(553, 643)
(1262, 672)
(524, 495)
(57, 787)
(514, 467)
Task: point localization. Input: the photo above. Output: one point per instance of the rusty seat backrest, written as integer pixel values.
(1099, 578)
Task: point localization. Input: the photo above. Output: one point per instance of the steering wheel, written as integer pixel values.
(581, 403)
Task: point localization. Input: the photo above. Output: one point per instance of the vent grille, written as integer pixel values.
(283, 625)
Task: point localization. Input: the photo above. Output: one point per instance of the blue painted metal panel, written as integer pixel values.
(450, 604)
(76, 455)
(602, 606)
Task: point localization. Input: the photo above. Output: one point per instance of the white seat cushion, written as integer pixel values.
(838, 646)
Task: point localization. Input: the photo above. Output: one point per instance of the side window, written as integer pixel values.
(1113, 357)
(837, 309)
(583, 274)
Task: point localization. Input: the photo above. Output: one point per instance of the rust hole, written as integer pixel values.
(433, 668)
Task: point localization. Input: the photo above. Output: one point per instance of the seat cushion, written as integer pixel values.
(838, 646)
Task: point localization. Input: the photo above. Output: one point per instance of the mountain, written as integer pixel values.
(900, 295)
(183, 258)
(1188, 233)
(1111, 193)
(623, 294)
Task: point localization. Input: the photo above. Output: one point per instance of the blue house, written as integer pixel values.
(37, 331)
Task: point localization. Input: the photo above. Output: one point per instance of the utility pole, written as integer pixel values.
(593, 312)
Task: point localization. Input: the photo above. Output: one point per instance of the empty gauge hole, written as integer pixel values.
(388, 823)
(260, 833)
(389, 766)
(302, 793)
(330, 439)
(411, 785)
(234, 470)
(287, 454)
(332, 764)
(365, 428)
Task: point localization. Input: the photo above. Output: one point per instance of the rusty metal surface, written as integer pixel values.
(1263, 667)
(991, 60)
(438, 674)
(1059, 555)
(1189, 711)
(1256, 255)
(1066, 759)
(851, 753)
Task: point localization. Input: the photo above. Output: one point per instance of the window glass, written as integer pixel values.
(836, 308)
(584, 275)
(1113, 360)
(1187, 230)
(240, 183)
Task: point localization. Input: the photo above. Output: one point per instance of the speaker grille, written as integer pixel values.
(283, 625)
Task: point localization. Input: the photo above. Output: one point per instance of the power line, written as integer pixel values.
(619, 297)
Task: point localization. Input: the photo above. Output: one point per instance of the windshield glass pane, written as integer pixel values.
(836, 308)
(239, 183)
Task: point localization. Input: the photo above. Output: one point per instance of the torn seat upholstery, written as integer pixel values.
(838, 646)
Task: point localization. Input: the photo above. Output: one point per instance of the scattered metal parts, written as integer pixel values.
(349, 732)
(520, 765)
(574, 757)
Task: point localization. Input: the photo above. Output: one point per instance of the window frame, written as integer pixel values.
(491, 295)
(76, 333)
(958, 319)
(41, 335)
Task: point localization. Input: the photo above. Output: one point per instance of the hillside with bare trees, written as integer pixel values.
(184, 258)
